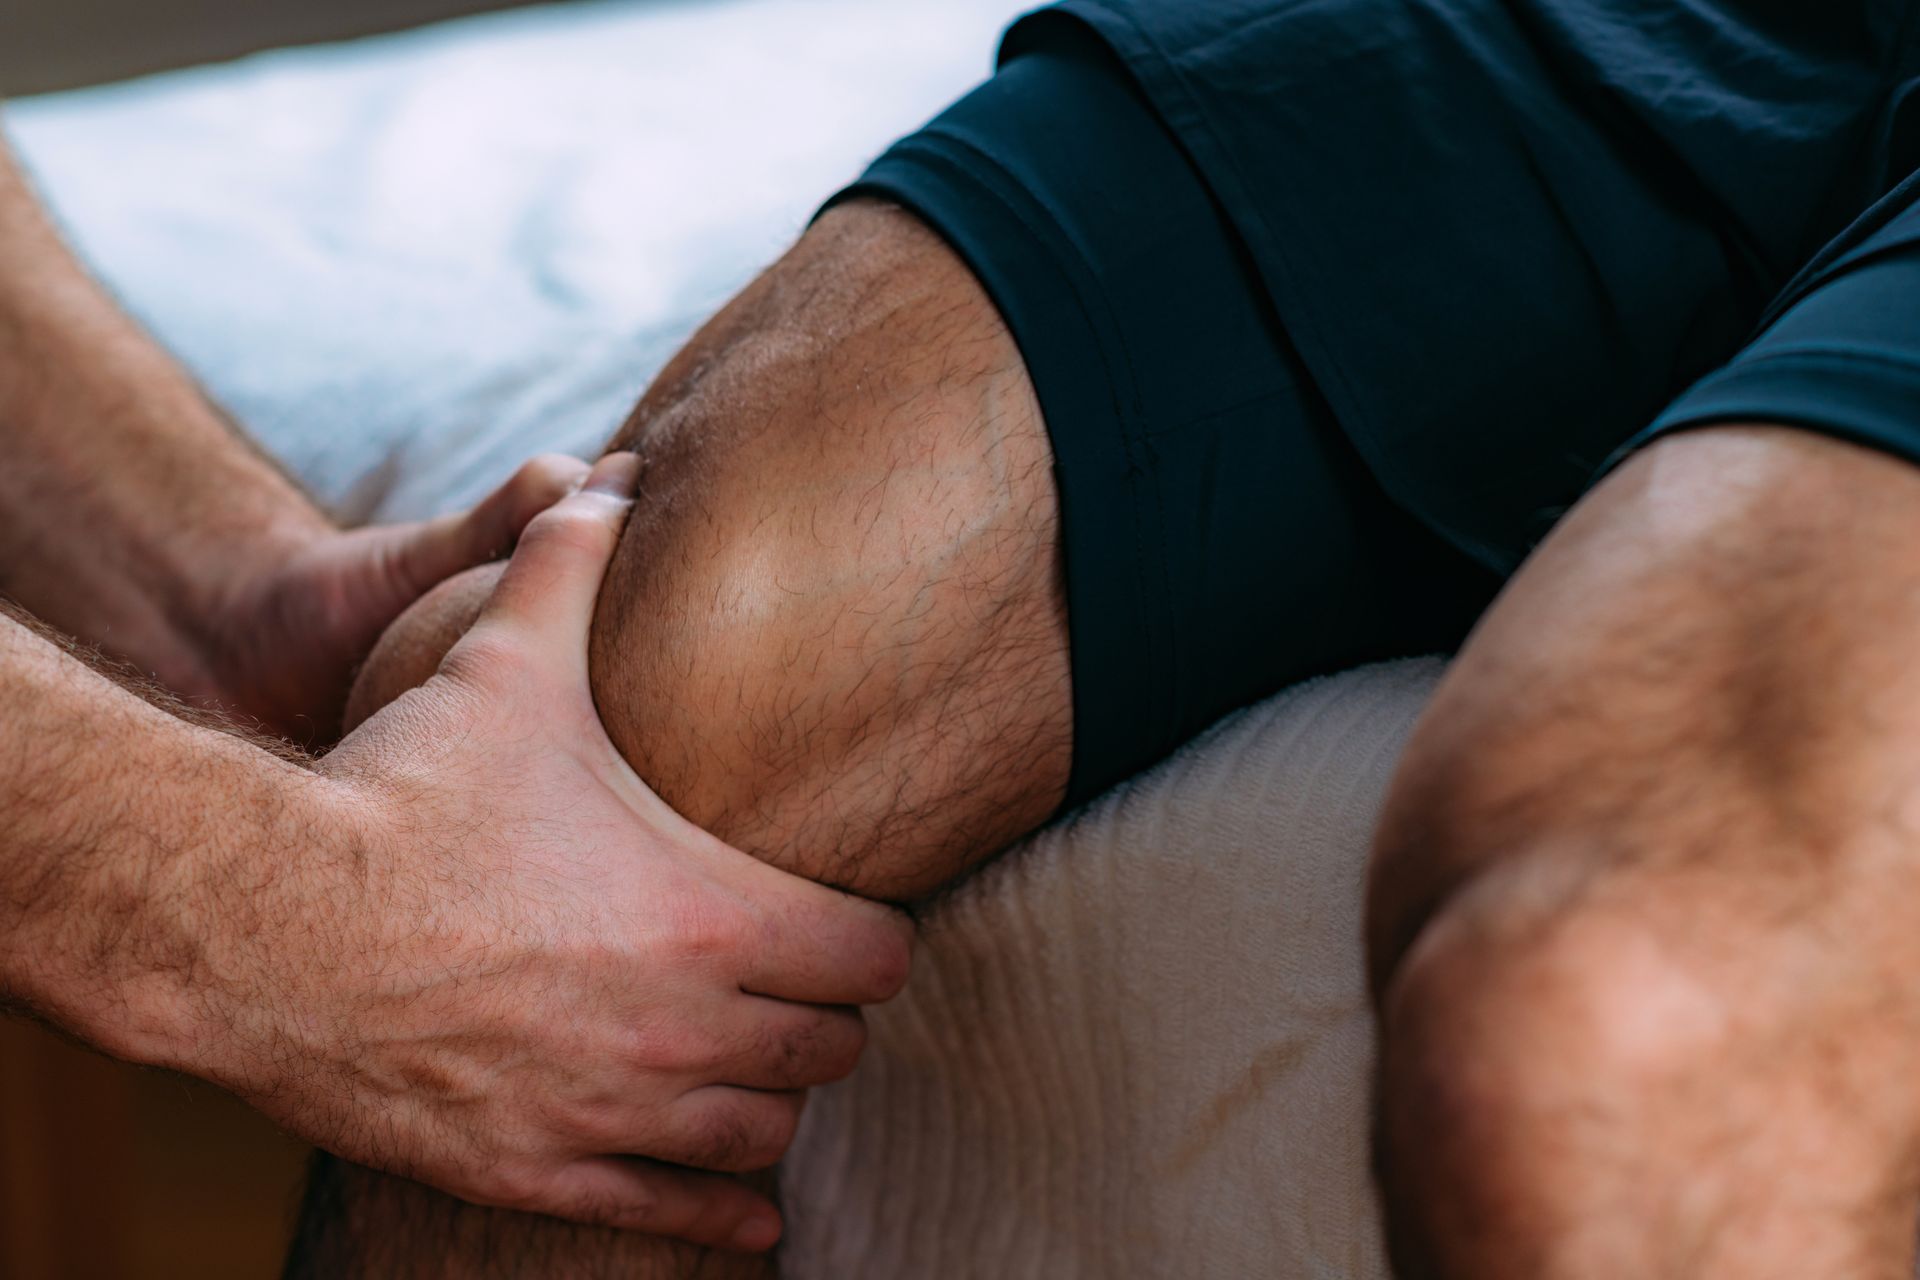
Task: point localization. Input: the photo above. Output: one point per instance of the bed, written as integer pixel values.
(1136, 1046)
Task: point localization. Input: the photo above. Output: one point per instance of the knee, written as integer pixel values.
(806, 648)
(1541, 1056)
(834, 633)
(1533, 992)
(1590, 1002)
(1535, 987)
(1531, 1011)
(1518, 952)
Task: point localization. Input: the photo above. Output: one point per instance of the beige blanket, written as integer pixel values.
(1138, 1045)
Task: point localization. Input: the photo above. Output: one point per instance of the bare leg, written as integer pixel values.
(835, 636)
(1644, 897)
(837, 633)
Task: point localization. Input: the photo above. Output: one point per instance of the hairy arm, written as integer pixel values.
(127, 500)
(135, 516)
(125, 830)
(469, 945)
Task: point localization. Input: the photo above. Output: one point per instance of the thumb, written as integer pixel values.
(434, 551)
(548, 592)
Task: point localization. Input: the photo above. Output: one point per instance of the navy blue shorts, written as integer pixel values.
(1334, 306)
(1838, 352)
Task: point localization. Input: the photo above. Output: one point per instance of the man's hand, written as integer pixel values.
(282, 645)
(135, 517)
(469, 946)
(526, 970)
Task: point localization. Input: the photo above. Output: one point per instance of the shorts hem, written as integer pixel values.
(1863, 398)
(1029, 270)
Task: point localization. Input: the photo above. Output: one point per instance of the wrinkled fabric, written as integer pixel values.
(1503, 234)
(1839, 351)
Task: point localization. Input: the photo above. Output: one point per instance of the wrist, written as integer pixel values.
(228, 588)
(195, 971)
(132, 511)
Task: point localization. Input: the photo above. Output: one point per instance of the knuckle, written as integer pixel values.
(596, 1207)
(671, 1047)
(485, 659)
(847, 1044)
(740, 1138)
(583, 1125)
(637, 1208)
(707, 929)
(574, 526)
(722, 1140)
(817, 1053)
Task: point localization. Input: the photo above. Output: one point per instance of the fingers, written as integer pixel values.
(494, 525)
(820, 946)
(783, 1045)
(438, 549)
(729, 1130)
(553, 581)
(640, 1195)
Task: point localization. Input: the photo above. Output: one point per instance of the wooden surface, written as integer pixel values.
(108, 1171)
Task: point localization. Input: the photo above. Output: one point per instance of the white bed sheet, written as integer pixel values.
(1137, 1046)
(404, 260)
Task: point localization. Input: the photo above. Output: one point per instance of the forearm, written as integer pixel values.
(122, 831)
(127, 499)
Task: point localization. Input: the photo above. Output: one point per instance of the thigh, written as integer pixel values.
(1704, 675)
(1501, 232)
(1641, 905)
(1222, 537)
(1732, 605)
(877, 614)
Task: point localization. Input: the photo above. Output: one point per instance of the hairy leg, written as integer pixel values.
(835, 635)
(1642, 907)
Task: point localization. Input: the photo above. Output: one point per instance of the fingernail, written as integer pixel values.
(757, 1234)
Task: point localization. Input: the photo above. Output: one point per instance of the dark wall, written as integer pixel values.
(57, 44)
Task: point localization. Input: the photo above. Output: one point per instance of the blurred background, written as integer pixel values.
(59, 44)
(107, 1170)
